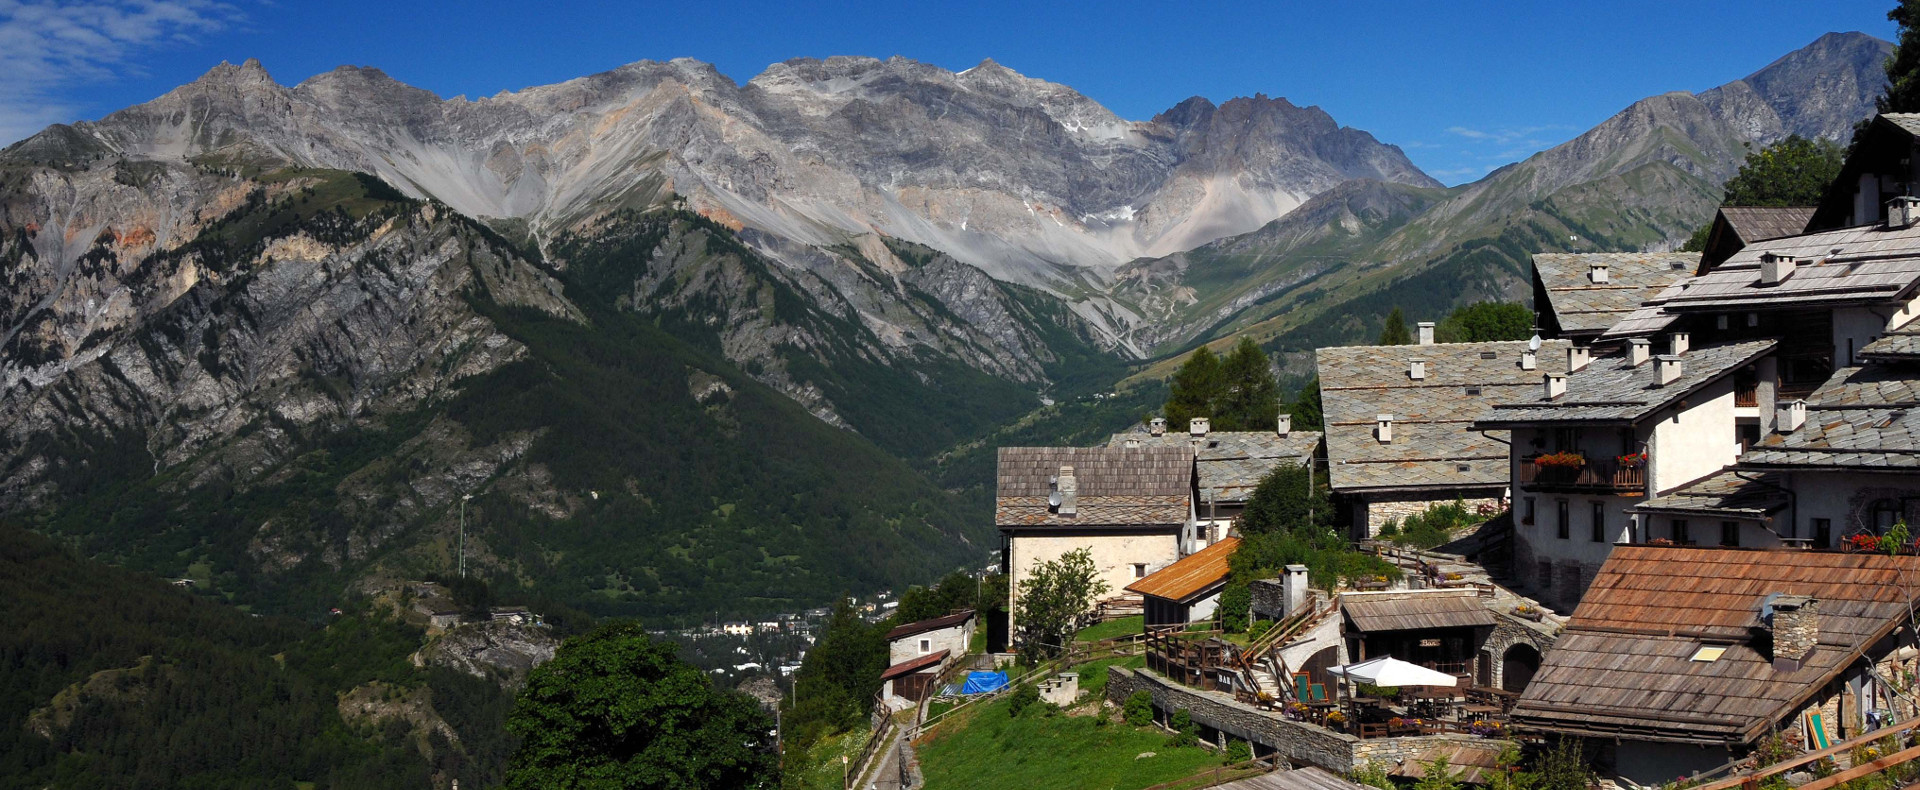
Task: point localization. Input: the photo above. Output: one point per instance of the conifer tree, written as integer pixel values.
(1395, 332)
(1250, 401)
(1195, 389)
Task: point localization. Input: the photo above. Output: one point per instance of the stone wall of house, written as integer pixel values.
(1547, 577)
(1507, 632)
(1269, 598)
(1114, 557)
(1378, 509)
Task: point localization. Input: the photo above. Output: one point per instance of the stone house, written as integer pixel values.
(1399, 422)
(912, 680)
(1579, 296)
(1228, 465)
(1590, 445)
(952, 633)
(1132, 508)
(1681, 658)
(1734, 228)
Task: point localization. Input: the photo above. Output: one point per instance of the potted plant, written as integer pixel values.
(1529, 612)
(1632, 460)
(1565, 459)
(1863, 542)
(1660, 542)
(1336, 719)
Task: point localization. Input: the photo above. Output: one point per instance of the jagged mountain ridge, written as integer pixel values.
(1643, 179)
(1028, 180)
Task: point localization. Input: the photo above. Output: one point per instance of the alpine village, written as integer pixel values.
(334, 469)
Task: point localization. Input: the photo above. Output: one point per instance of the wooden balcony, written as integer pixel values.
(1597, 474)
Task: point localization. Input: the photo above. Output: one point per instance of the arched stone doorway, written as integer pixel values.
(1517, 667)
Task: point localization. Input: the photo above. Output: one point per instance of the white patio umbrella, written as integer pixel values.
(1387, 671)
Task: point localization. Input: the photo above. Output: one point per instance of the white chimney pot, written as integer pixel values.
(1417, 369)
(1157, 426)
(1679, 343)
(1666, 369)
(1383, 428)
(1198, 426)
(1529, 360)
(1639, 350)
(1597, 273)
(1790, 416)
(1286, 424)
(1577, 358)
(1426, 333)
(1556, 385)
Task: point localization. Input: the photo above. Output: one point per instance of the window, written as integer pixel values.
(1599, 522)
(1709, 653)
(1749, 435)
(1823, 533)
(1528, 511)
(1729, 533)
(1680, 531)
(1560, 512)
(926, 646)
(1139, 570)
(1885, 513)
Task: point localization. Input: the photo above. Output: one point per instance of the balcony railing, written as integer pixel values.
(1746, 393)
(1597, 474)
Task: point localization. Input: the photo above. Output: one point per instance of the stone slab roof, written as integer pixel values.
(1732, 493)
(1759, 223)
(921, 664)
(1434, 445)
(1901, 344)
(1610, 390)
(1862, 418)
(935, 624)
(1230, 464)
(1874, 264)
(1624, 666)
(1584, 307)
(1123, 487)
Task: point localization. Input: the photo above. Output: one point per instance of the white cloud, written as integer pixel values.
(48, 45)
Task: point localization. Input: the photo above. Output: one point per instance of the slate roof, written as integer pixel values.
(1874, 265)
(1230, 464)
(1378, 612)
(1309, 778)
(1732, 493)
(1861, 418)
(1433, 436)
(1122, 487)
(1759, 223)
(1584, 307)
(911, 666)
(1901, 344)
(1623, 666)
(935, 624)
(1192, 577)
(1608, 390)
(1905, 120)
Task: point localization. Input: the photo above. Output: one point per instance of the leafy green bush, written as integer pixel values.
(1236, 605)
(1433, 526)
(1373, 774)
(1238, 751)
(1259, 629)
(1139, 709)
(1391, 528)
(1022, 698)
(1185, 733)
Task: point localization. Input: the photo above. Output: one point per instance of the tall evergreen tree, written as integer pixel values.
(1195, 389)
(1251, 398)
(1903, 69)
(1483, 321)
(1306, 407)
(1395, 333)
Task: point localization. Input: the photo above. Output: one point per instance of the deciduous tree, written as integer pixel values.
(1054, 601)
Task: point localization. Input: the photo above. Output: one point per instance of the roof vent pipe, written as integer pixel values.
(1383, 428)
(1426, 333)
(1790, 416)
(1556, 385)
(1775, 269)
(1680, 341)
(1666, 368)
(1577, 358)
(1597, 273)
(1417, 369)
(1639, 350)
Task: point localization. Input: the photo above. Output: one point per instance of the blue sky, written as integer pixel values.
(1464, 87)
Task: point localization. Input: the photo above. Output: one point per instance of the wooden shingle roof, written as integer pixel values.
(909, 667)
(1192, 577)
(1118, 486)
(1624, 666)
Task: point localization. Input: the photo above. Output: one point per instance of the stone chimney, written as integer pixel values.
(1417, 369)
(1577, 358)
(1294, 587)
(1902, 212)
(1067, 490)
(1198, 426)
(1790, 416)
(1678, 342)
(1775, 269)
(1529, 360)
(1666, 369)
(1639, 350)
(1157, 426)
(1597, 273)
(1796, 630)
(1556, 385)
(1383, 428)
(1426, 333)
(1285, 424)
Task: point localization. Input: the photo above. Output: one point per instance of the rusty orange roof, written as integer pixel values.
(1185, 580)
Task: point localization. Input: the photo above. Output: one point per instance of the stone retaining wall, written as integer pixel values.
(1302, 743)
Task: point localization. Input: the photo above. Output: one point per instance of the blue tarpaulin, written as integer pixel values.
(983, 682)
